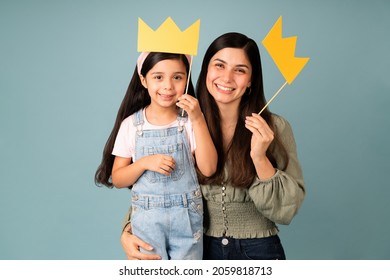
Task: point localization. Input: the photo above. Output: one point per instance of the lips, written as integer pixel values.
(224, 88)
(166, 96)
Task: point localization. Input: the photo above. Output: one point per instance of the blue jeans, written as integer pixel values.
(227, 248)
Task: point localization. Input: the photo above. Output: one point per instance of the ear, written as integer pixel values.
(143, 81)
(249, 85)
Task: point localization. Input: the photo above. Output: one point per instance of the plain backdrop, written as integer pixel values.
(64, 69)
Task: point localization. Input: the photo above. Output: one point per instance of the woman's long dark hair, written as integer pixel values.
(241, 171)
(136, 98)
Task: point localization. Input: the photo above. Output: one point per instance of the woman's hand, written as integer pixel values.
(131, 245)
(262, 137)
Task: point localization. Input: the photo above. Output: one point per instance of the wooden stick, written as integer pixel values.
(189, 74)
(188, 81)
(269, 102)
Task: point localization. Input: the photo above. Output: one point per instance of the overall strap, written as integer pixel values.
(138, 121)
(181, 119)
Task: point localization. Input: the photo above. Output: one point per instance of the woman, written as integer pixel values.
(258, 182)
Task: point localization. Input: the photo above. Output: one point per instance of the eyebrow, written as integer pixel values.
(159, 73)
(238, 65)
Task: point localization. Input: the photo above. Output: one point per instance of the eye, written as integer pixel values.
(241, 70)
(157, 77)
(219, 65)
(178, 77)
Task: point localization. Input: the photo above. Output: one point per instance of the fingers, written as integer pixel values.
(160, 163)
(131, 245)
(166, 165)
(186, 102)
(259, 127)
(187, 99)
(190, 104)
(137, 255)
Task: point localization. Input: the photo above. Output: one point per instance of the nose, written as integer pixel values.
(168, 84)
(227, 75)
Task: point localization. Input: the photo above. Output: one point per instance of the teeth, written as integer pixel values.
(225, 88)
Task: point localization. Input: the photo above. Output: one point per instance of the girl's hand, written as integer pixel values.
(262, 136)
(191, 105)
(131, 245)
(160, 163)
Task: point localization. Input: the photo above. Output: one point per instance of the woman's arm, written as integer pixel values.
(131, 245)
(279, 197)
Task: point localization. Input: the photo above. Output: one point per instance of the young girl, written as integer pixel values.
(154, 148)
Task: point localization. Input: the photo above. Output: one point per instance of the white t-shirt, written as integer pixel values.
(125, 140)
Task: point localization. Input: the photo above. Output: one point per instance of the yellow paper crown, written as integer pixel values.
(282, 51)
(168, 38)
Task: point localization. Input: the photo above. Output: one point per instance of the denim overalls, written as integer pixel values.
(167, 211)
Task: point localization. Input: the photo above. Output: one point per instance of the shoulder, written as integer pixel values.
(127, 125)
(127, 121)
(280, 123)
(282, 129)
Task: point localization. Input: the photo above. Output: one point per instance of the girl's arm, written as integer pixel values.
(125, 172)
(205, 153)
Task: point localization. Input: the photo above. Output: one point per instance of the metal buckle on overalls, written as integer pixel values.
(182, 119)
(139, 129)
(180, 128)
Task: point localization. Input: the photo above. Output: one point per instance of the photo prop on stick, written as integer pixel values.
(282, 51)
(170, 39)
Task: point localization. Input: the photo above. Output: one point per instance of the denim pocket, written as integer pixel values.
(176, 151)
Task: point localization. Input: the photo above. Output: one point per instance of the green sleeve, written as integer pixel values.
(279, 198)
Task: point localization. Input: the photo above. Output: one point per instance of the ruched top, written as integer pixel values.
(254, 212)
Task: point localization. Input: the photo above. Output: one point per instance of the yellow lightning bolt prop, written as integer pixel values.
(282, 51)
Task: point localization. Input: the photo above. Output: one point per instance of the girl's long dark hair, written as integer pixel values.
(237, 160)
(136, 98)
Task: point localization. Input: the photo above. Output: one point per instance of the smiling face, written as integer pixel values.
(228, 76)
(165, 82)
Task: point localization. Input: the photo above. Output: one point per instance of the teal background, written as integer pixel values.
(64, 68)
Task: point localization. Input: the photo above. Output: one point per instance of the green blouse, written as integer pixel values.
(255, 211)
